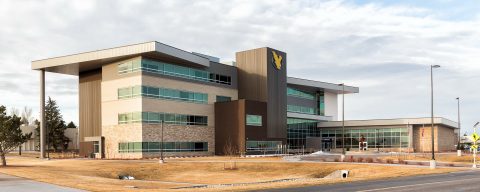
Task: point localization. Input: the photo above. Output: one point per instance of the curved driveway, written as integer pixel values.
(18, 184)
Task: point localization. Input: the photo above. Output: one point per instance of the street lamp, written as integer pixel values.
(432, 162)
(474, 145)
(161, 147)
(343, 119)
(458, 112)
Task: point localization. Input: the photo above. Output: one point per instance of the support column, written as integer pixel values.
(42, 114)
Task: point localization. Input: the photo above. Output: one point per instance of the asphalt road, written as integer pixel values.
(459, 181)
(18, 184)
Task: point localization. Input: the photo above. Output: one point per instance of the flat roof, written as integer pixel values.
(328, 87)
(76, 63)
(388, 122)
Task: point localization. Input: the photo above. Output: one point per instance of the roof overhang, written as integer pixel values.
(318, 85)
(391, 122)
(308, 116)
(76, 63)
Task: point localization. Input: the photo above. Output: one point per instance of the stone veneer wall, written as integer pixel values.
(152, 133)
(179, 133)
(121, 133)
(445, 138)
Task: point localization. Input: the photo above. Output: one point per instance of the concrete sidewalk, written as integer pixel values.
(18, 184)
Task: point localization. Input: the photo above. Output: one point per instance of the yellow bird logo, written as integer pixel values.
(277, 60)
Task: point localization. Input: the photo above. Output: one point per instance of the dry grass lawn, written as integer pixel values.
(451, 158)
(102, 175)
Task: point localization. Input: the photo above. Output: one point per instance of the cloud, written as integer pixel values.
(385, 49)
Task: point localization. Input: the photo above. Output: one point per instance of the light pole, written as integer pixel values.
(161, 146)
(432, 162)
(459, 152)
(343, 120)
(475, 144)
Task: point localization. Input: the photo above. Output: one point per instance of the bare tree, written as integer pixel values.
(229, 149)
(27, 118)
(14, 112)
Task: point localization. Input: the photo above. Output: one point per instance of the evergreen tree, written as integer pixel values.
(11, 135)
(54, 124)
(37, 134)
(71, 125)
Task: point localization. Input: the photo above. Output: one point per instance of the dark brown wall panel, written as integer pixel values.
(229, 125)
(86, 148)
(277, 95)
(260, 80)
(90, 111)
(256, 133)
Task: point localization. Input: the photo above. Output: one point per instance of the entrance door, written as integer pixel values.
(327, 144)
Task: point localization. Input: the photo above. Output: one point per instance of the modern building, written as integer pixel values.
(136, 100)
(407, 135)
(32, 143)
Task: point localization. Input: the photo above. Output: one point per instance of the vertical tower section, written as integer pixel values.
(262, 76)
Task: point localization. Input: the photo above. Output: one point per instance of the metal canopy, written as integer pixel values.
(73, 64)
(318, 85)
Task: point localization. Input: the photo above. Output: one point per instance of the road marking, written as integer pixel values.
(414, 185)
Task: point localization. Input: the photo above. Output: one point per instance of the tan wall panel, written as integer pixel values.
(112, 106)
(110, 71)
(252, 74)
(110, 110)
(110, 88)
(90, 119)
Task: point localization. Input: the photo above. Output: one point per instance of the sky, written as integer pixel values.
(383, 47)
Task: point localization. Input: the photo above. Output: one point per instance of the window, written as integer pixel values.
(301, 109)
(321, 103)
(96, 147)
(223, 98)
(132, 147)
(297, 121)
(263, 145)
(156, 118)
(301, 94)
(254, 120)
(172, 70)
(162, 93)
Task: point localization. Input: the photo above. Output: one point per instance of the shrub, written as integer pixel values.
(401, 161)
(360, 159)
(389, 161)
(369, 160)
(451, 165)
(336, 160)
(351, 159)
(419, 163)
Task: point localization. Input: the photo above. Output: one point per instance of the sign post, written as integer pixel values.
(474, 137)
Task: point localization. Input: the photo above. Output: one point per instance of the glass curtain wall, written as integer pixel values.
(156, 118)
(298, 130)
(132, 147)
(375, 137)
(382, 137)
(162, 93)
(163, 68)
